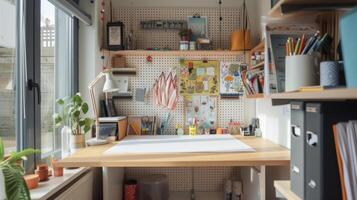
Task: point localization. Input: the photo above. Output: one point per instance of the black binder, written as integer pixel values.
(321, 173)
(297, 166)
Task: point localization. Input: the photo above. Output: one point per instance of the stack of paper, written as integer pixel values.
(345, 135)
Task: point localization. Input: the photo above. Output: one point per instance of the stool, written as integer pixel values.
(153, 187)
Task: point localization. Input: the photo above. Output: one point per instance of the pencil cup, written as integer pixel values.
(329, 73)
(300, 71)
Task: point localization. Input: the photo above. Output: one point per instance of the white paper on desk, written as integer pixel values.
(178, 144)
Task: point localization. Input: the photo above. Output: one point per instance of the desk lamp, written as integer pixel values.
(109, 86)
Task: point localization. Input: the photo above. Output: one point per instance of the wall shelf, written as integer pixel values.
(255, 96)
(176, 53)
(288, 7)
(327, 94)
(259, 65)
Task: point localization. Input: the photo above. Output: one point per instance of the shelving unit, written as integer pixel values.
(176, 53)
(328, 94)
(295, 7)
(253, 68)
(283, 187)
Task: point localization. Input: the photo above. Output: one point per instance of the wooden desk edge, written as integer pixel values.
(267, 154)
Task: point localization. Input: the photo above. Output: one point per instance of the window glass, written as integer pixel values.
(56, 71)
(7, 73)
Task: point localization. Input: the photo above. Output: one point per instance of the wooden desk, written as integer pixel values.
(266, 153)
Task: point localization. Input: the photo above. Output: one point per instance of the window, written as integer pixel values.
(38, 64)
(7, 73)
(56, 70)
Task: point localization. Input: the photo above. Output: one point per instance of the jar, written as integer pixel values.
(184, 45)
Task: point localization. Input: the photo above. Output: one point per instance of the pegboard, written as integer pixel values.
(147, 73)
(206, 179)
(144, 39)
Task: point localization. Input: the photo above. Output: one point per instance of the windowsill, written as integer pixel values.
(55, 184)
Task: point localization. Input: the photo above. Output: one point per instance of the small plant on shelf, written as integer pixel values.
(72, 115)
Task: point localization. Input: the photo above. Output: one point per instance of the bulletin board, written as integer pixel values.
(199, 77)
(230, 79)
(203, 109)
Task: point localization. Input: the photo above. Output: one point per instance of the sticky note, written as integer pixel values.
(210, 71)
(200, 71)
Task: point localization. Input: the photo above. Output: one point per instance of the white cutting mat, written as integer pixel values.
(178, 144)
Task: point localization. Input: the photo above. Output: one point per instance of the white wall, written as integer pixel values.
(89, 56)
(7, 24)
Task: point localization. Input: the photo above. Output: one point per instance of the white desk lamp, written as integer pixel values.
(109, 86)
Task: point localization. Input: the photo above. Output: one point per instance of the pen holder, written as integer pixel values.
(300, 71)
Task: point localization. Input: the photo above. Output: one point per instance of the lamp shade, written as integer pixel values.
(109, 85)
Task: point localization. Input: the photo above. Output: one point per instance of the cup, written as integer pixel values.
(329, 73)
(300, 71)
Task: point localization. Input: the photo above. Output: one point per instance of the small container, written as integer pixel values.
(192, 45)
(32, 181)
(184, 45)
(234, 128)
(329, 73)
(42, 172)
(192, 130)
(153, 187)
(57, 171)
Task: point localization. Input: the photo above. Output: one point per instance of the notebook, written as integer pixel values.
(348, 31)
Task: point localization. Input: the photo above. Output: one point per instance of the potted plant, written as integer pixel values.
(12, 183)
(185, 34)
(72, 116)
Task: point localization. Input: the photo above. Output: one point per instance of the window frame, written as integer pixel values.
(28, 129)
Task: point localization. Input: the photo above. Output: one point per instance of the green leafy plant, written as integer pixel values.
(15, 185)
(71, 114)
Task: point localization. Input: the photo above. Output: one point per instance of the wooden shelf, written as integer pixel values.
(327, 94)
(293, 7)
(283, 187)
(124, 71)
(255, 96)
(259, 65)
(176, 53)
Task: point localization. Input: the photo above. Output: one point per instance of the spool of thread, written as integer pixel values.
(329, 73)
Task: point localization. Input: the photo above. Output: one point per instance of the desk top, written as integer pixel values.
(266, 153)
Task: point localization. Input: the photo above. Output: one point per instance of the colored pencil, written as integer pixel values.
(297, 47)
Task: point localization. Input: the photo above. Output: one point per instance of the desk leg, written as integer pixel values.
(113, 178)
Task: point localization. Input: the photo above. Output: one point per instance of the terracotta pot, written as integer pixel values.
(32, 181)
(57, 171)
(42, 172)
(77, 142)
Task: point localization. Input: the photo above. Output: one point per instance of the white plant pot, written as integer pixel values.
(77, 142)
(2, 186)
(65, 140)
